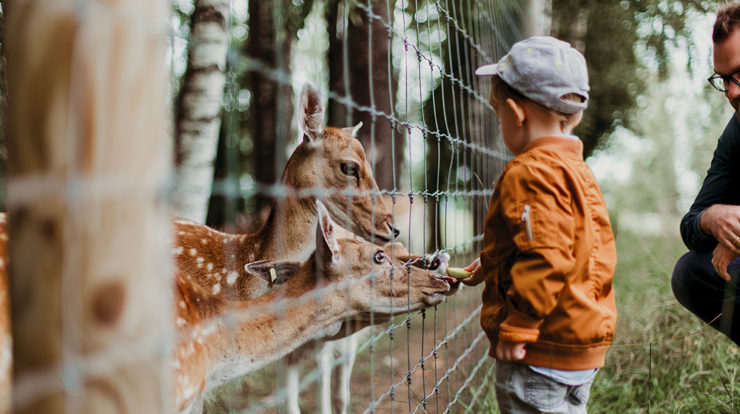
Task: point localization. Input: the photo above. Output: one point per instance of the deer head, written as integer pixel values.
(332, 158)
(343, 279)
(375, 278)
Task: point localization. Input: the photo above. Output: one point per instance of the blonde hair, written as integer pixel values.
(501, 91)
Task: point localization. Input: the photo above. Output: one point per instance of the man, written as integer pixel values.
(706, 280)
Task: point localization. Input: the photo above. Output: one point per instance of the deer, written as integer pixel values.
(328, 159)
(366, 278)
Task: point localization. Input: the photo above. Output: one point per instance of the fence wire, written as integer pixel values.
(450, 155)
(444, 155)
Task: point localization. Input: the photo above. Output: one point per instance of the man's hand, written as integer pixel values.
(476, 273)
(721, 259)
(510, 351)
(723, 222)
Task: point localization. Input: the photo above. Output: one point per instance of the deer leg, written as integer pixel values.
(346, 349)
(324, 359)
(292, 381)
(342, 373)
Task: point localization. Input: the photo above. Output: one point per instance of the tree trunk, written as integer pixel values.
(90, 279)
(272, 102)
(370, 85)
(199, 108)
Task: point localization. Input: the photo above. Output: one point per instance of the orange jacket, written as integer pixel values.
(548, 259)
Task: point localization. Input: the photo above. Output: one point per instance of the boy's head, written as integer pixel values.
(544, 70)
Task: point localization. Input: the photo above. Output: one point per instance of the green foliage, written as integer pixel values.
(664, 359)
(609, 34)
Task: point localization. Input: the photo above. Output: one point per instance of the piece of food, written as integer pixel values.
(458, 272)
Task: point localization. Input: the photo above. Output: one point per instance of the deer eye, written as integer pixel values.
(379, 257)
(349, 168)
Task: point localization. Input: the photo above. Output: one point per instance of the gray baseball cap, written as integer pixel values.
(544, 69)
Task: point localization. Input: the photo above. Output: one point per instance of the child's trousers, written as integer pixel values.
(520, 390)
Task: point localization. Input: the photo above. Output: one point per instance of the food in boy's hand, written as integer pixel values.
(458, 272)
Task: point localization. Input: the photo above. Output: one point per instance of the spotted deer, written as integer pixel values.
(343, 279)
(329, 160)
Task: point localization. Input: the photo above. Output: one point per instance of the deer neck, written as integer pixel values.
(288, 317)
(288, 233)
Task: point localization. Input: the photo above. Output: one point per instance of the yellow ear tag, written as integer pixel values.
(273, 276)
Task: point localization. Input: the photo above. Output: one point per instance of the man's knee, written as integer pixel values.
(691, 267)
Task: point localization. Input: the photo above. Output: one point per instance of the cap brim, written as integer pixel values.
(487, 70)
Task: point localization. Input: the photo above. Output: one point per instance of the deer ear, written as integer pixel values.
(327, 249)
(311, 113)
(274, 272)
(352, 131)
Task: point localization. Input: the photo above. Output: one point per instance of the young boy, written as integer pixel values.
(548, 250)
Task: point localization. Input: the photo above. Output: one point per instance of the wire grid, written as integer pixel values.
(434, 360)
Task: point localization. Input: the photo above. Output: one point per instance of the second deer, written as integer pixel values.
(344, 279)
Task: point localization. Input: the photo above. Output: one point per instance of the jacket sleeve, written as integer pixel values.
(539, 216)
(720, 186)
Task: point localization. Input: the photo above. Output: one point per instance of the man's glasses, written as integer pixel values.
(722, 82)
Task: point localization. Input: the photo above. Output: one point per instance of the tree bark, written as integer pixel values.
(272, 102)
(273, 26)
(368, 84)
(199, 108)
(90, 279)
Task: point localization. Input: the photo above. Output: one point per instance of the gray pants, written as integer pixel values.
(521, 390)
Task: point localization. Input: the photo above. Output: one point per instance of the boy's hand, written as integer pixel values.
(476, 273)
(510, 351)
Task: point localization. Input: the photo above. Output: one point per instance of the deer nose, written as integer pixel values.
(395, 230)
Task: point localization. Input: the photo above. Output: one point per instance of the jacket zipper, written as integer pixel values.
(525, 219)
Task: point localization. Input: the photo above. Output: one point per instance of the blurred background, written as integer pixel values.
(405, 69)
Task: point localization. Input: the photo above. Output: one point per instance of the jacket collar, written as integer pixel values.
(566, 145)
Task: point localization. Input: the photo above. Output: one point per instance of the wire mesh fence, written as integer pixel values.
(435, 153)
(405, 70)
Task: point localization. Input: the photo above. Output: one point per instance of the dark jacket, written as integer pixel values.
(721, 186)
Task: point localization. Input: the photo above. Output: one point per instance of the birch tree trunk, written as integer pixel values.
(199, 108)
(90, 280)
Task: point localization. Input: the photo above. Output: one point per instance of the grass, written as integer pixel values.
(664, 359)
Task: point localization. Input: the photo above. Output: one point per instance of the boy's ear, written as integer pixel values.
(519, 115)
(575, 120)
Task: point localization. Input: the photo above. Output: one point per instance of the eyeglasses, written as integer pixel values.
(722, 82)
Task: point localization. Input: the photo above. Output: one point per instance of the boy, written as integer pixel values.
(548, 249)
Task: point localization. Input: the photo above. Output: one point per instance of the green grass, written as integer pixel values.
(664, 359)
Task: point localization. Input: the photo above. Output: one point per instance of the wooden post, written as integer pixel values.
(88, 158)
